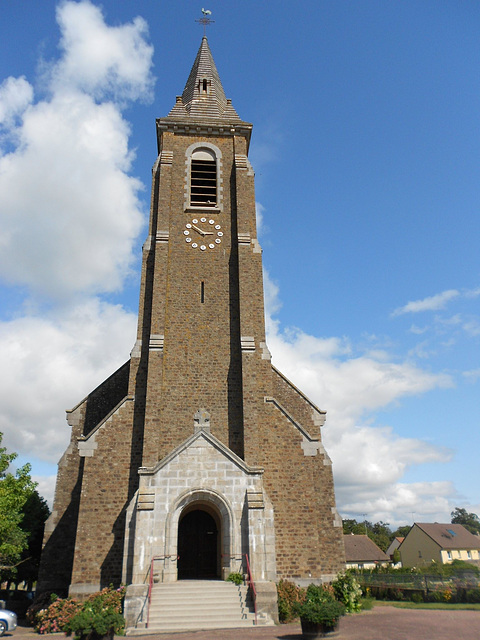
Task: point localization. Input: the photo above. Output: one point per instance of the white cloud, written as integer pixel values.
(432, 303)
(46, 487)
(452, 321)
(69, 217)
(418, 330)
(260, 209)
(369, 461)
(472, 293)
(350, 386)
(422, 350)
(472, 327)
(272, 301)
(74, 220)
(400, 503)
(102, 60)
(15, 95)
(49, 364)
(375, 456)
(473, 375)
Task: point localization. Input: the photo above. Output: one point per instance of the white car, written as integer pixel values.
(8, 621)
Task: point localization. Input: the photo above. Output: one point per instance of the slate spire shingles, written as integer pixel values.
(203, 96)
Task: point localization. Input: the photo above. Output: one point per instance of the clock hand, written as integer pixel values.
(199, 230)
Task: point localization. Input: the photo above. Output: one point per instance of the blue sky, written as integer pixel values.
(366, 146)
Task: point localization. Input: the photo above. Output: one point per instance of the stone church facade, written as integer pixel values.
(197, 452)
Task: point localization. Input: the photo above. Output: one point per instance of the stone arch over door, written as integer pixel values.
(214, 503)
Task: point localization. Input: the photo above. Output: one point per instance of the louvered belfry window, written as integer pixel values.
(203, 187)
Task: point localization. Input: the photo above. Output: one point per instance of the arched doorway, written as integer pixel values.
(198, 545)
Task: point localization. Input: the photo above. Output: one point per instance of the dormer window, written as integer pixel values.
(203, 185)
(204, 85)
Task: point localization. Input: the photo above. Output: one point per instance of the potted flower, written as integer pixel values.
(96, 622)
(319, 613)
(236, 578)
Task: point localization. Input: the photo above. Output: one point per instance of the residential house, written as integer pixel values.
(362, 553)
(442, 543)
(396, 542)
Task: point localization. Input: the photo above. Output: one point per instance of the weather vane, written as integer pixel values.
(205, 20)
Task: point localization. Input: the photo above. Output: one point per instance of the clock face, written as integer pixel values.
(203, 234)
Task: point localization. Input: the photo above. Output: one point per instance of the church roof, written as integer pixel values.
(203, 96)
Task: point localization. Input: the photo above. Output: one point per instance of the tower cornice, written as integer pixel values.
(203, 127)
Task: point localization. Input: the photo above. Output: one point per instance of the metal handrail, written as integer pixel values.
(251, 584)
(150, 584)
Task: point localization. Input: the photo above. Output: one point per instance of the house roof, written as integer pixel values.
(395, 543)
(362, 549)
(450, 536)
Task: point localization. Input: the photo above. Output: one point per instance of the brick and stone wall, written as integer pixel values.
(135, 463)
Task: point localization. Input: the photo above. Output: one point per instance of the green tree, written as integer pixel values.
(352, 526)
(402, 531)
(35, 513)
(469, 520)
(379, 532)
(15, 489)
(381, 535)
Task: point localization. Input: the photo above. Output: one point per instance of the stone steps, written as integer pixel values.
(198, 604)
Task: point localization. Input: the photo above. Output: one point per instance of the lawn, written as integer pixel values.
(427, 605)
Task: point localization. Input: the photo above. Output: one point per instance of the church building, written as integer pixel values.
(196, 458)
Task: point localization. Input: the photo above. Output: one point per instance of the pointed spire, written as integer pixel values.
(203, 96)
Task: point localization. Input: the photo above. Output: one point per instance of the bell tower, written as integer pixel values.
(192, 312)
(198, 441)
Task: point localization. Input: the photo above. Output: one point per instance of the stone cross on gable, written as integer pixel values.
(201, 420)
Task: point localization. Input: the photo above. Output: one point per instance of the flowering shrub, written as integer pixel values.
(447, 595)
(58, 616)
(109, 597)
(348, 591)
(288, 595)
(291, 598)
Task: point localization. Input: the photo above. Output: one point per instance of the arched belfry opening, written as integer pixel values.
(199, 536)
(203, 187)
